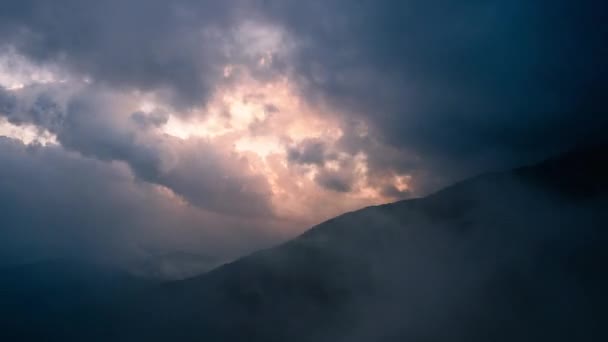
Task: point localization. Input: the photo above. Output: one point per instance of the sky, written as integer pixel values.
(135, 129)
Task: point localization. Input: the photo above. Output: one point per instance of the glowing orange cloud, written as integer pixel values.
(260, 120)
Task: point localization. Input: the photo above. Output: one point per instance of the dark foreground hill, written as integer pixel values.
(513, 256)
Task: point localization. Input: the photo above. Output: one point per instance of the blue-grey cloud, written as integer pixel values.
(467, 85)
(171, 46)
(310, 151)
(59, 204)
(91, 121)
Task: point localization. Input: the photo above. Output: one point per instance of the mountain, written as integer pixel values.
(509, 256)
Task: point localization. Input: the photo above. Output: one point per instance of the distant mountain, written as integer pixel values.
(511, 256)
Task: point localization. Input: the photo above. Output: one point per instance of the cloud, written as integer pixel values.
(236, 157)
(156, 118)
(95, 122)
(211, 184)
(456, 84)
(178, 48)
(455, 81)
(336, 181)
(58, 204)
(464, 85)
(309, 151)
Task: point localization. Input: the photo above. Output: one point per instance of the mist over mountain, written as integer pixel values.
(506, 256)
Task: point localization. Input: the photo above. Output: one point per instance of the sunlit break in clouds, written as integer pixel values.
(293, 145)
(253, 149)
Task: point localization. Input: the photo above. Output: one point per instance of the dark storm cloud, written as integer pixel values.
(476, 82)
(391, 191)
(58, 204)
(146, 120)
(91, 121)
(309, 151)
(464, 84)
(172, 46)
(336, 181)
(216, 179)
(47, 195)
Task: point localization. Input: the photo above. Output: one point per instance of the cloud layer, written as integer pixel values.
(250, 120)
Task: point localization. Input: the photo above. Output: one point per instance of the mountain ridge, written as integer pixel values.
(595, 160)
(347, 263)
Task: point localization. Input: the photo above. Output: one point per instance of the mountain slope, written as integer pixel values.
(501, 257)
